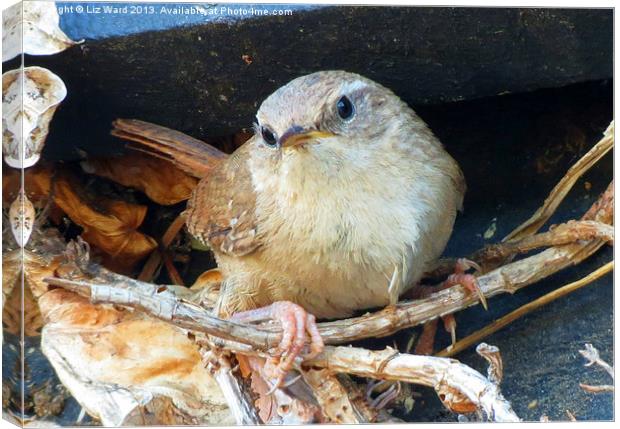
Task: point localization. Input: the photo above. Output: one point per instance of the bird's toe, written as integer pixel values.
(297, 326)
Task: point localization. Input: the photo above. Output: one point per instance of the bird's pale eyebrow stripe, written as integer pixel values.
(353, 86)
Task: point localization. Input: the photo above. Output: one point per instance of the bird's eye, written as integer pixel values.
(268, 136)
(345, 108)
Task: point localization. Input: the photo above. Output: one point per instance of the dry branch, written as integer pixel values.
(590, 227)
(593, 357)
(503, 321)
(333, 398)
(566, 233)
(163, 304)
(460, 388)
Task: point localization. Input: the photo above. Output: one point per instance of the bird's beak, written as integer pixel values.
(297, 136)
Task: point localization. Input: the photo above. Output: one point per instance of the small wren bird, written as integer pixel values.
(340, 202)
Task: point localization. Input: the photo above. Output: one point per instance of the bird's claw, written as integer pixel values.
(464, 264)
(468, 281)
(296, 325)
(449, 324)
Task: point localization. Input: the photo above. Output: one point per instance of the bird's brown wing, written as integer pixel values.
(221, 211)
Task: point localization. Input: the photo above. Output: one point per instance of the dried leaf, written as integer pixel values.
(34, 29)
(116, 363)
(30, 97)
(160, 180)
(112, 227)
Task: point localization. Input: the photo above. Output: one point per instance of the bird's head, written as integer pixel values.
(329, 120)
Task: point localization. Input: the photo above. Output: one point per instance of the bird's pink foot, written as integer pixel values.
(426, 341)
(468, 281)
(296, 325)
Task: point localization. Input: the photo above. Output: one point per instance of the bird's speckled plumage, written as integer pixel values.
(331, 223)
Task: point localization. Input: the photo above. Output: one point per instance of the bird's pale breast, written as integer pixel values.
(337, 254)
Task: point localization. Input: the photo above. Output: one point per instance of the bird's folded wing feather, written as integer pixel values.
(221, 212)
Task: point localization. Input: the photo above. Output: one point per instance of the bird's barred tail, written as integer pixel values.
(193, 156)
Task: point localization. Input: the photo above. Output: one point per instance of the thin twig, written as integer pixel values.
(566, 233)
(173, 273)
(167, 307)
(490, 257)
(603, 388)
(504, 321)
(593, 357)
(154, 261)
(571, 416)
(382, 323)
